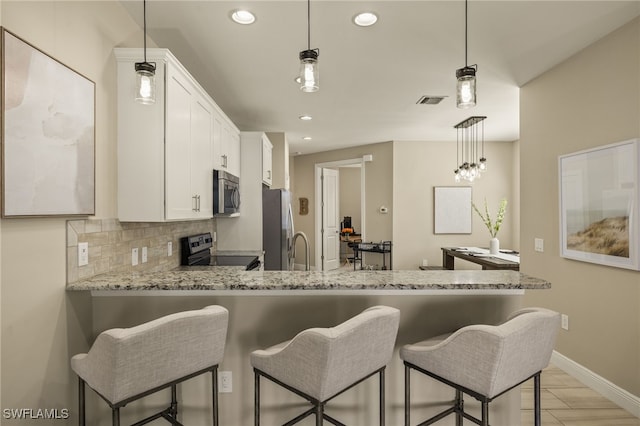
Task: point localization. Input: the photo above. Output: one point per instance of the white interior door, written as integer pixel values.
(330, 220)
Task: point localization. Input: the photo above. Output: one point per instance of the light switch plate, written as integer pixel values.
(169, 248)
(144, 255)
(538, 244)
(225, 382)
(83, 254)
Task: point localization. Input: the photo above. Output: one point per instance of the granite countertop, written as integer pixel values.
(235, 281)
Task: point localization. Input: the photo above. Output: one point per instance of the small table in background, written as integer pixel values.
(352, 240)
(507, 259)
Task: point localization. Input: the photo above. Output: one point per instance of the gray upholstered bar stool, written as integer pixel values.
(320, 363)
(125, 364)
(485, 361)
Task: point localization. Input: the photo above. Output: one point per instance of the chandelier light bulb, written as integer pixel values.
(483, 164)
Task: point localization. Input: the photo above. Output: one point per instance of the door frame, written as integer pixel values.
(318, 201)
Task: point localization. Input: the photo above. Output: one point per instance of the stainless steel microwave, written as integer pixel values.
(226, 193)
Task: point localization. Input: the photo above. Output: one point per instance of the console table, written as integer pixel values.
(383, 247)
(477, 256)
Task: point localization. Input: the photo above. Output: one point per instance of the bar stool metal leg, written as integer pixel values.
(319, 414)
(382, 387)
(81, 402)
(536, 400)
(485, 413)
(407, 395)
(256, 401)
(173, 408)
(115, 416)
(214, 389)
(459, 407)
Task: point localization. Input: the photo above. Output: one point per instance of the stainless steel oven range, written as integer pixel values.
(196, 251)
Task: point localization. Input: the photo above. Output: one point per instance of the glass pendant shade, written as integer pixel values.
(466, 87)
(309, 76)
(145, 83)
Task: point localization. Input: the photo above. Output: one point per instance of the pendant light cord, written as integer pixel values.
(144, 13)
(465, 32)
(309, 24)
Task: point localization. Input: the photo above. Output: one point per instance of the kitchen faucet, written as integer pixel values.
(306, 248)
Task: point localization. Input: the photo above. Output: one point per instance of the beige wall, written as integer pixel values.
(589, 100)
(418, 168)
(41, 326)
(378, 190)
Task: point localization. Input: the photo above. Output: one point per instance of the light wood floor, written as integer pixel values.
(567, 402)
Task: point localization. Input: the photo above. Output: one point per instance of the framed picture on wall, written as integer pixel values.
(599, 209)
(452, 210)
(48, 134)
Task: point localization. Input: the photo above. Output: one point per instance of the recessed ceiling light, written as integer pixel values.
(243, 17)
(305, 117)
(365, 19)
(306, 138)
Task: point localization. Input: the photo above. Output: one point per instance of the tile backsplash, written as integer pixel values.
(111, 241)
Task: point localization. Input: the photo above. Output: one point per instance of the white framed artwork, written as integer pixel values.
(599, 209)
(452, 210)
(48, 134)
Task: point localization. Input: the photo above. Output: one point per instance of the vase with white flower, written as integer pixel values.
(492, 226)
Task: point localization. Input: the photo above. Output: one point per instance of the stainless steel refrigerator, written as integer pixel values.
(277, 229)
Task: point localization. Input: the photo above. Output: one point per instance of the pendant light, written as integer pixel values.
(466, 76)
(309, 77)
(145, 71)
(470, 159)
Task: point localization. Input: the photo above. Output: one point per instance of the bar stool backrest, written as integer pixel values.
(125, 362)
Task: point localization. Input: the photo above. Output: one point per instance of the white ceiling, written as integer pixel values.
(371, 78)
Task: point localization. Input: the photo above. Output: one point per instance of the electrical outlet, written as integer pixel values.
(83, 254)
(144, 255)
(169, 248)
(134, 256)
(538, 244)
(425, 262)
(225, 382)
(565, 322)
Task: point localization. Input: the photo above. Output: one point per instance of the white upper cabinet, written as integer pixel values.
(226, 145)
(165, 150)
(267, 160)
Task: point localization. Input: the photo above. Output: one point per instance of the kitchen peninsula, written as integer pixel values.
(226, 281)
(266, 307)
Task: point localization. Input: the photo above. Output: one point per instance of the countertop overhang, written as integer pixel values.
(230, 281)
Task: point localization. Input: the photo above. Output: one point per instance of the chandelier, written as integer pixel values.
(470, 159)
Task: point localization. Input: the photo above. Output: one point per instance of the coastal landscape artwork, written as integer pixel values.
(599, 205)
(48, 134)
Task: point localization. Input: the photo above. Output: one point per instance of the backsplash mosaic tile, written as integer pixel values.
(111, 241)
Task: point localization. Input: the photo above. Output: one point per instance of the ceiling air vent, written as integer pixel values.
(430, 100)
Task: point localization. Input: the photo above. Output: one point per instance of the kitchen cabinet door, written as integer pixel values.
(226, 146)
(202, 157)
(180, 203)
(267, 160)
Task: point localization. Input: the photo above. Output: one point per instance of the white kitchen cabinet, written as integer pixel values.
(245, 231)
(226, 145)
(165, 150)
(267, 161)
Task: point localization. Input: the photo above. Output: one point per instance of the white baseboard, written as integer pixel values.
(598, 383)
